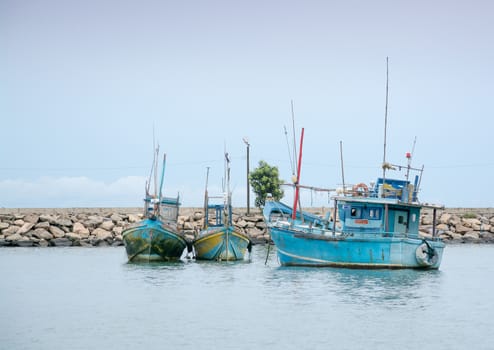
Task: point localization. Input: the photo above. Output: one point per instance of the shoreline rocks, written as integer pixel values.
(96, 227)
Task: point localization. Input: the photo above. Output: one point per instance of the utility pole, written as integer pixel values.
(246, 141)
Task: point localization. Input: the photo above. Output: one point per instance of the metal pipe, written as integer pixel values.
(386, 219)
(248, 187)
(334, 216)
(342, 169)
(385, 128)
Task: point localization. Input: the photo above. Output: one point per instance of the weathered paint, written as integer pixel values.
(212, 244)
(151, 240)
(375, 251)
(374, 233)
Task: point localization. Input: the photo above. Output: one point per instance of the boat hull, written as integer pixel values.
(356, 251)
(151, 240)
(221, 244)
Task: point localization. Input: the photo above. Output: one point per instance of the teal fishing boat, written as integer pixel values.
(156, 238)
(378, 227)
(372, 226)
(220, 240)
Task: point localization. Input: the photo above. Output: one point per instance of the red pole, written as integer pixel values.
(299, 165)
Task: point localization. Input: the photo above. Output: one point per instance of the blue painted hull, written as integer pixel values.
(356, 251)
(151, 240)
(221, 244)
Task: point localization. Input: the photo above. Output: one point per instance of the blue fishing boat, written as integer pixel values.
(378, 228)
(220, 240)
(156, 238)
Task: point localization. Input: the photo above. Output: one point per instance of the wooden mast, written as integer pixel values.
(162, 177)
(229, 205)
(206, 210)
(297, 180)
(161, 184)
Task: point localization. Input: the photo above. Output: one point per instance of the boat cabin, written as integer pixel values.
(390, 207)
(402, 190)
(217, 214)
(169, 208)
(166, 209)
(378, 216)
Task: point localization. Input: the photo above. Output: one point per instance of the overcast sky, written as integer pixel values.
(83, 84)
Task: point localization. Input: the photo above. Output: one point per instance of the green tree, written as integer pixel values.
(265, 179)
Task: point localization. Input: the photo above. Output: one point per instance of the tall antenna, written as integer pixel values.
(297, 187)
(223, 180)
(162, 176)
(228, 204)
(294, 140)
(148, 182)
(156, 171)
(205, 225)
(342, 169)
(413, 147)
(409, 156)
(228, 176)
(155, 163)
(289, 153)
(385, 123)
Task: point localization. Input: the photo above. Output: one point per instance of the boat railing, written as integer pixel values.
(309, 228)
(217, 213)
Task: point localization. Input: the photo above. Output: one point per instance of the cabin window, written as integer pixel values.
(374, 213)
(355, 212)
(401, 219)
(414, 217)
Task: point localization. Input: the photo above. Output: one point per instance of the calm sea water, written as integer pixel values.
(91, 298)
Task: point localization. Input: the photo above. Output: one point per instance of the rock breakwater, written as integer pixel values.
(103, 226)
